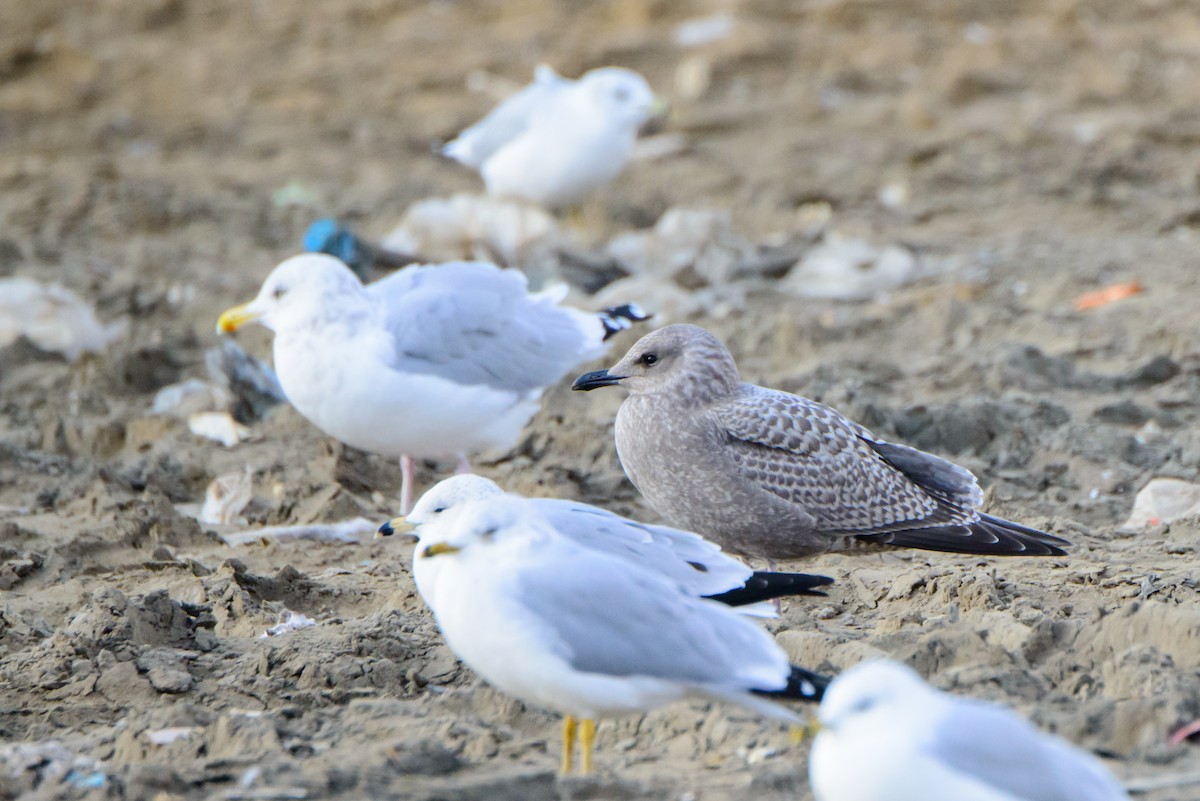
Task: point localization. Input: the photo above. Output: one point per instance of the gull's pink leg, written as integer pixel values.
(464, 465)
(406, 484)
(773, 566)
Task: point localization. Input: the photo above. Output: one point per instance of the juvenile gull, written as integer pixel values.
(885, 735)
(587, 634)
(558, 140)
(769, 474)
(432, 361)
(686, 558)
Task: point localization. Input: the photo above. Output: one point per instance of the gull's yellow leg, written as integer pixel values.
(587, 736)
(568, 745)
(809, 731)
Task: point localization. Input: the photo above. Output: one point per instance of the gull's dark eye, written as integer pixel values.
(647, 359)
(491, 532)
(621, 94)
(439, 509)
(862, 705)
(278, 293)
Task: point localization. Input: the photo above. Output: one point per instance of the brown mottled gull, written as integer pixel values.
(773, 475)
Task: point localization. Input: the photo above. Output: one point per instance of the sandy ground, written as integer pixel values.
(1041, 149)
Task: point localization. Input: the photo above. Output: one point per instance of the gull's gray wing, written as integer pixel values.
(474, 323)
(506, 121)
(613, 618)
(850, 484)
(1001, 749)
(689, 559)
(811, 455)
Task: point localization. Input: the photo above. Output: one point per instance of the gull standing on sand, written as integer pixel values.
(773, 475)
(432, 361)
(686, 558)
(886, 735)
(587, 634)
(557, 140)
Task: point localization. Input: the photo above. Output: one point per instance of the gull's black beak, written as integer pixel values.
(595, 380)
(397, 525)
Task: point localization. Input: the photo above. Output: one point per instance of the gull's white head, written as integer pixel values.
(301, 291)
(622, 95)
(871, 691)
(450, 494)
(484, 528)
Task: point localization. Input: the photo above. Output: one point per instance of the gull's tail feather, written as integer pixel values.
(990, 536)
(765, 586)
(454, 150)
(618, 318)
(802, 685)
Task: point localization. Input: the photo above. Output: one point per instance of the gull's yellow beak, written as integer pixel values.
(439, 547)
(397, 525)
(233, 319)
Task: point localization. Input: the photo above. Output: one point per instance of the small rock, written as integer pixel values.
(170, 680)
(1126, 413)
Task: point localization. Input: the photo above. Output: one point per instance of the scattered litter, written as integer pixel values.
(1185, 733)
(474, 227)
(754, 756)
(659, 147)
(1163, 500)
(347, 531)
(49, 761)
(894, 195)
(266, 794)
(225, 498)
(86, 781)
(691, 247)
(1151, 784)
(218, 426)
(294, 193)
(52, 317)
(1099, 298)
(700, 31)
(252, 383)
(693, 77)
(190, 397)
(289, 621)
(170, 735)
(250, 776)
(851, 269)
(327, 235)
(814, 218)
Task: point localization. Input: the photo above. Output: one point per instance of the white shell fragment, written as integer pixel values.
(225, 498)
(218, 426)
(291, 621)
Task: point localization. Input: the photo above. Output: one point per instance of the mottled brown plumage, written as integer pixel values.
(769, 474)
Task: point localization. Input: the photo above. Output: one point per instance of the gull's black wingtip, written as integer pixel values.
(987, 536)
(802, 685)
(767, 586)
(617, 318)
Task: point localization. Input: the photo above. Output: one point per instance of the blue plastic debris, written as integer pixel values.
(326, 235)
(86, 781)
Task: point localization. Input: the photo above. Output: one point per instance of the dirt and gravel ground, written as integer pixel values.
(1040, 149)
